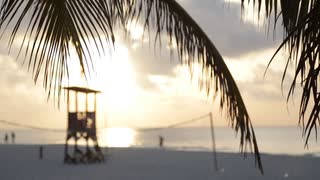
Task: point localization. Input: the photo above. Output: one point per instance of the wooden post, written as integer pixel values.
(86, 112)
(76, 99)
(215, 162)
(68, 100)
(68, 108)
(76, 139)
(87, 102)
(95, 110)
(95, 102)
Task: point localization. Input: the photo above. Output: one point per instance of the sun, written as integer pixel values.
(115, 77)
(113, 74)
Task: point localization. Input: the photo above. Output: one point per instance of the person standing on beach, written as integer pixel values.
(41, 152)
(13, 136)
(161, 139)
(6, 138)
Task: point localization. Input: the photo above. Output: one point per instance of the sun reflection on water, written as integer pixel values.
(117, 137)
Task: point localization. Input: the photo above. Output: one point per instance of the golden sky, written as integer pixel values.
(144, 88)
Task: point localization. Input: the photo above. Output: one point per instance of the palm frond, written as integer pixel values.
(301, 23)
(56, 23)
(194, 46)
(52, 25)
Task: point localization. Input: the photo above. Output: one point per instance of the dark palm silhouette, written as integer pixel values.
(52, 27)
(301, 24)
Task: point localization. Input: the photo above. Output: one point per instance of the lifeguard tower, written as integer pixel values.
(82, 126)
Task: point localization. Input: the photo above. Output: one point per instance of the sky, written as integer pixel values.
(142, 87)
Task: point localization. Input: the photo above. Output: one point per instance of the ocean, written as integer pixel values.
(273, 140)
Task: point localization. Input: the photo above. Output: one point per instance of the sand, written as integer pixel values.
(21, 162)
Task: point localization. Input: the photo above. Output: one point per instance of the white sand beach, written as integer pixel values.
(21, 162)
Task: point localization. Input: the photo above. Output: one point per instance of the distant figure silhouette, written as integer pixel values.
(6, 137)
(161, 139)
(13, 136)
(41, 152)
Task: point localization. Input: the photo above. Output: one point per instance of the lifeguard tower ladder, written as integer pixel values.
(82, 125)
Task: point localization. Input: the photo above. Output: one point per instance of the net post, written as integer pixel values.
(214, 154)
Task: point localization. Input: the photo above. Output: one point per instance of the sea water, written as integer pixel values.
(275, 140)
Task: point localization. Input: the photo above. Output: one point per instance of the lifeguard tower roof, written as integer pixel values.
(81, 89)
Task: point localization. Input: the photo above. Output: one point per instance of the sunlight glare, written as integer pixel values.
(116, 78)
(113, 74)
(118, 137)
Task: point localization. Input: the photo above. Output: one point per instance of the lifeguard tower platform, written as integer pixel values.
(82, 126)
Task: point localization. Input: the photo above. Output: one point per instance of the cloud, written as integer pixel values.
(257, 82)
(263, 89)
(22, 101)
(222, 23)
(223, 26)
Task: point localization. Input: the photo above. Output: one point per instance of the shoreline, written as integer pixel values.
(178, 149)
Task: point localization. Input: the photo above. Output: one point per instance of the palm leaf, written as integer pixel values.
(56, 23)
(301, 23)
(51, 26)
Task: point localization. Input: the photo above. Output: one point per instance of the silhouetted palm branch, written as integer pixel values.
(301, 22)
(51, 26)
(56, 23)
